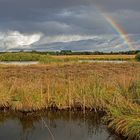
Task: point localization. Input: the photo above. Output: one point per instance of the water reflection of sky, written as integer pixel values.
(63, 126)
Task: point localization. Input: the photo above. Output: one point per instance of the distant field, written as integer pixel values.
(98, 57)
(46, 58)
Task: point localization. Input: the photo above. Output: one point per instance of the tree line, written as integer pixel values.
(70, 52)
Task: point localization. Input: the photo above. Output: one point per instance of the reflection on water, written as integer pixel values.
(103, 61)
(53, 126)
(24, 63)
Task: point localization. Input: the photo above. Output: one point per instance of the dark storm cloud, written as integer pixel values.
(30, 9)
(67, 17)
(30, 15)
(67, 3)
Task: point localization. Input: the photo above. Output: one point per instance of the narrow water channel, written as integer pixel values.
(20, 63)
(54, 126)
(104, 61)
(26, 63)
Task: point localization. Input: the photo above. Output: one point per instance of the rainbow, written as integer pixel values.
(119, 30)
(101, 10)
(127, 40)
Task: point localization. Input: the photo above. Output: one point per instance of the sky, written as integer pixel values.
(77, 25)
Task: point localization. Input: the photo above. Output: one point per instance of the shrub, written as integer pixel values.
(137, 57)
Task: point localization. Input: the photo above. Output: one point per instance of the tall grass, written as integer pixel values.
(111, 88)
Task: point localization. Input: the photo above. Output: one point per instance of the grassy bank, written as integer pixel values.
(114, 89)
(19, 56)
(45, 58)
(26, 56)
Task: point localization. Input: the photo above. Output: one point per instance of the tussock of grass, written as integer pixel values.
(125, 120)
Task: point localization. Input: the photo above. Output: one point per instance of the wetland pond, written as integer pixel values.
(56, 125)
(103, 61)
(26, 63)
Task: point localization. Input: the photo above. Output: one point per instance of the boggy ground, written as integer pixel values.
(112, 88)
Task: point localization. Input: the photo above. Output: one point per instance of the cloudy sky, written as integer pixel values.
(78, 25)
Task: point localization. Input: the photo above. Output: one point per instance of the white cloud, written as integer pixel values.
(14, 39)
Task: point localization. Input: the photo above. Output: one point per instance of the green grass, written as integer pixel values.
(20, 56)
(26, 56)
(46, 58)
(137, 57)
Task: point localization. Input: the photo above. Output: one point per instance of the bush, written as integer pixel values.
(137, 57)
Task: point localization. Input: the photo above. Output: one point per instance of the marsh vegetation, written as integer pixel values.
(110, 88)
(47, 58)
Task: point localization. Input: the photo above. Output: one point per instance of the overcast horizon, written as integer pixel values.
(77, 25)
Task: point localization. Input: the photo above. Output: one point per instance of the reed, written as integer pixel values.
(111, 88)
(125, 120)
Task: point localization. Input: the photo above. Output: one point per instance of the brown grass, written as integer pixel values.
(98, 57)
(63, 85)
(113, 88)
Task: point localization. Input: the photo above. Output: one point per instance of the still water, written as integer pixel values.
(24, 63)
(54, 126)
(103, 61)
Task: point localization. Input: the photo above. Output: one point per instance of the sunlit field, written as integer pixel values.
(98, 57)
(46, 58)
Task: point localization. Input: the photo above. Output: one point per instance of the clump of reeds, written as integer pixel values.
(124, 111)
(125, 120)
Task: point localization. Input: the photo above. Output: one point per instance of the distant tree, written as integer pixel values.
(66, 52)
